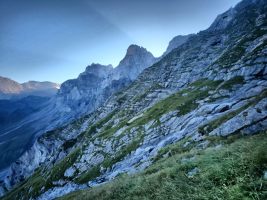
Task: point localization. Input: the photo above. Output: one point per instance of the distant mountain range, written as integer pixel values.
(11, 89)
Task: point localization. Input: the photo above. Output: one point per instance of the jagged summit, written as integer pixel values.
(98, 82)
(135, 54)
(135, 61)
(134, 49)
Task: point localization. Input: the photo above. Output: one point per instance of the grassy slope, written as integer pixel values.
(233, 171)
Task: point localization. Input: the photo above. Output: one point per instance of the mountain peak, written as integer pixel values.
(135, 61)
(134, 49)
(138, 52)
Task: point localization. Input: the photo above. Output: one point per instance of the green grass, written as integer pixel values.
(234, 171)
(233, 81)
(93, 128)
(108, 132)
(183, 101)
(58, 170)
(91, 174)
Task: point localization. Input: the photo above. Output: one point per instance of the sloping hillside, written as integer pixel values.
(202, 106)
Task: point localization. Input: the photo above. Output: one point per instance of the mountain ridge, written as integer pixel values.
(98, 82)
(12, 89)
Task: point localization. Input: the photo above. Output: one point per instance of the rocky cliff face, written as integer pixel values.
(98, 82)
(194, 95)
(135, 61)
(12, 113)
(18, 102)
(75, 98)
(86, 93)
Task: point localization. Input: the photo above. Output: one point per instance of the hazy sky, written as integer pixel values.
(55, 40)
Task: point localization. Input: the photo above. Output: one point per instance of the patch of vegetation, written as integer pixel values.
(108, 132)
(213, 99)
(228, 85)
(91, 174)
(201, 83)
(58, 170)
(176, 148)
(100, 123)
(235, 171)
(183, 101)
